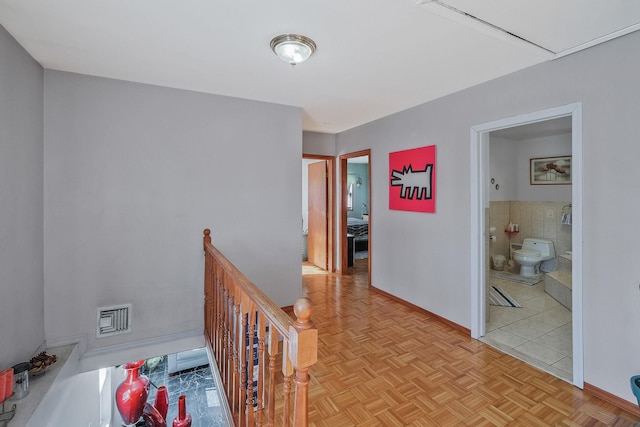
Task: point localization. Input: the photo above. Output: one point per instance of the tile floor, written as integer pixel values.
(203, 399)
(538, 333)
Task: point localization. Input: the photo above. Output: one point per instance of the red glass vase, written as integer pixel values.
(184, 418)
(152, 417)
(132, 393)
(162, 401)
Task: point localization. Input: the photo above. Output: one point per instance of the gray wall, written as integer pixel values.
(322, 144)
(425, 258)
(510, 161)
(360, 194)
(21, 254)
(134, 173)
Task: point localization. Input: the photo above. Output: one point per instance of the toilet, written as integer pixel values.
(533, 252)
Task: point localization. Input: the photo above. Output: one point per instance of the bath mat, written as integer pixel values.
(505, 275)
(499, 297)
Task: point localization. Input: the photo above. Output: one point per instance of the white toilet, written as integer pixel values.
(533, 252)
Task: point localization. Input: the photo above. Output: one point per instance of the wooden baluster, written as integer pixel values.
(251, 331)
(215, 303)
(242, 353)
(272, 349)
(210, 301)
(287, 370)
(215, 340)
(221, 329)
(235, 381)
(229, 322)
(261, 360)
(219, 304)
(220, 326)
(226, 353)
(220, 338)
(223, 326)
(303, 353)
(207, 300)
(207, 296)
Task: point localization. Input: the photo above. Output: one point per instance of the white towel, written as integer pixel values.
(549, 265)
(566, 219)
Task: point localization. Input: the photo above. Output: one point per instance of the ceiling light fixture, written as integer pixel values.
(293, 48)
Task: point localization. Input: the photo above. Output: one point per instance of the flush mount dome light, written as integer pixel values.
(293, 48)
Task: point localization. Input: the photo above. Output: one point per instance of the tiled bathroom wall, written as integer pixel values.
(535, 219)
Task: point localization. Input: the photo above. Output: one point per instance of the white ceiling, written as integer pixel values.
(374, 57)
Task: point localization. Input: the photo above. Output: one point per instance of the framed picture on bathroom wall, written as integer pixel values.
(550, 170)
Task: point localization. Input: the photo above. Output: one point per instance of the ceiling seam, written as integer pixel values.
(482, 21)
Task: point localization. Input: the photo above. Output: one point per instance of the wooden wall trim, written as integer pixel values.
(616, 401)
(414, 307)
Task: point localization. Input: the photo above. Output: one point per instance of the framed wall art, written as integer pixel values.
(412, 180)
(550, 170)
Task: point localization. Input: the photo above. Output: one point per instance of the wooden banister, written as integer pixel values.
(248, 333)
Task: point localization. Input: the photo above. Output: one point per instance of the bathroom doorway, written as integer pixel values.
(484, 187)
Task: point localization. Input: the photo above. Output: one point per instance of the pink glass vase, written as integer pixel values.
(184, 418)
(132, 393)
(162, 401)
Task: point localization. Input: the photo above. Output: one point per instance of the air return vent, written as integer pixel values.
(114, 320)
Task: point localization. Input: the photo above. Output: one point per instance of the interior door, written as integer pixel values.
(318, 207)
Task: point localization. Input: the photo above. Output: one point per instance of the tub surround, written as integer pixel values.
(557, 284)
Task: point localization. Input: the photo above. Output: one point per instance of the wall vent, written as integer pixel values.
(114, 320)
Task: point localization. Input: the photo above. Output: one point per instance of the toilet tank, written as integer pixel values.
(544, 246)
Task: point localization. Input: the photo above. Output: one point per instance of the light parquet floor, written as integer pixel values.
(382, 364)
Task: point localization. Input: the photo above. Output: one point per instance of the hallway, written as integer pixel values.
(381, 363)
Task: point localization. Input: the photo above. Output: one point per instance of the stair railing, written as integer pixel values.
(249, 335)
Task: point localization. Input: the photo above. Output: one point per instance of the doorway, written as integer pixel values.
(480, 212)
(355, 213)
(318, 207)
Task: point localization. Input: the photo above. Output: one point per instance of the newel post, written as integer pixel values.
(303, 353)
(207, 238)
(209, 324)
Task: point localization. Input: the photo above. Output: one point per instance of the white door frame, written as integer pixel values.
(480, 202)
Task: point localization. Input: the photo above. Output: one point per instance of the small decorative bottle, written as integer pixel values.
(162, 401)
(184, 418)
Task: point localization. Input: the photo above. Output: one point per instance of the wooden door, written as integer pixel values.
(318, 206)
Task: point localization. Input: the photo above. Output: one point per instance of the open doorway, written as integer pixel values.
(355, 213)
(481, 218)
(318, 207)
